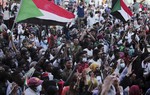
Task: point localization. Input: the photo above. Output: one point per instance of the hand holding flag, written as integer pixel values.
(120, 10)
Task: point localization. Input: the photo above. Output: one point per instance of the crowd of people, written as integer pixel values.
(95, 54)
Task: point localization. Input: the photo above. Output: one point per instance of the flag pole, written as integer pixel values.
(16, 16)
(15, 23)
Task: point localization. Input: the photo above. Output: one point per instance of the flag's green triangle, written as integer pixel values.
(116, 7)
(28, 10)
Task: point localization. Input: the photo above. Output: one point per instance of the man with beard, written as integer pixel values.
(68, 69)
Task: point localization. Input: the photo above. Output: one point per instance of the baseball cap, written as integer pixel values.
(45, 74)
(34, 81)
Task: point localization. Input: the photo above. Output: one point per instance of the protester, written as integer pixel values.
(34, 86)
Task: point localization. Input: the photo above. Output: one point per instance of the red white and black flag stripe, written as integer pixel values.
(43, 12)
(120, 10)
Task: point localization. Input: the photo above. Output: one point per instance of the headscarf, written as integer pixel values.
(134, 90)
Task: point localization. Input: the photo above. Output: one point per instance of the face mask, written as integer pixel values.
(130, 52)
(122, 65)
(45, 41)
(39, 88)
(84, 59)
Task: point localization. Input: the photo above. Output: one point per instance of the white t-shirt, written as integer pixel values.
(89, 52)
(129, 37)
(90, 21)
(106, 48)
(6, 15)
(97, 18)
(29, 91)
(98, 62)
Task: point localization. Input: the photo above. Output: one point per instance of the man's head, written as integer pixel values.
(32, 35)
(25, 53)
(17, 77)
(81, 3)
(52, 90)
(68, 63)
(83, 56)
(76, 41)
(50, 87)
(90, 46)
